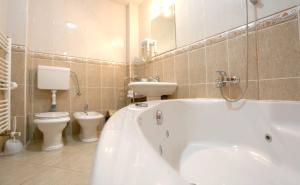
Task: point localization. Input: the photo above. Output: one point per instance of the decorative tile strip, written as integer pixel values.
(18, 48)
(65, 58)
(269, 21)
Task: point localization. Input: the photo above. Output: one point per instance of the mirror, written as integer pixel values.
(163, 30)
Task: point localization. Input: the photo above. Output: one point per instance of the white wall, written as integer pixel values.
(16, 21)
(100, 31)
(199, 19)
(3, 17)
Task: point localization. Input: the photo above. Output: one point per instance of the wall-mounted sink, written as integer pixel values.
(153, 90)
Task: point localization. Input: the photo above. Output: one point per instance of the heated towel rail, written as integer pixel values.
(5, 79)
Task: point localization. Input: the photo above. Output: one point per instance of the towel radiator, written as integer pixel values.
(5, 79)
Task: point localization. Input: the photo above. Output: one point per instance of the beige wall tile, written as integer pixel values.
(182, 91)
(78, 102)
(94, 99)
(252, 90)
(108, 99)
(107, 76)
(41, 100)
(214, 92)
(80, 69)
(30, 71)
(63, 101)
(181, 69)
(158, 69)
(168, 70)
(216, 58)
(18, 67)
(198, 91)
(138, 70)
(149, 69)
(17, 101)
(29, 100)
(281, 89)
(121, 97)
(93, 75)
(197, 66)
(120, 75)
(238, 58)
(279, 51)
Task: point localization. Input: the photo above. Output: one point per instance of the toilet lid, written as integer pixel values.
(50, 115)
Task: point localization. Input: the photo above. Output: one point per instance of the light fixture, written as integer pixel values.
(71, 25)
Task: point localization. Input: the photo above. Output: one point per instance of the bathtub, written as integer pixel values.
(201, 142)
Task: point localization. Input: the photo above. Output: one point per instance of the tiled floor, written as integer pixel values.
(69, 166)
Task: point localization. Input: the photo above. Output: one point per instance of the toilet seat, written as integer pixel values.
(51, 117)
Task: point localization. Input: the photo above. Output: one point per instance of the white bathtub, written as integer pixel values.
(201, 142)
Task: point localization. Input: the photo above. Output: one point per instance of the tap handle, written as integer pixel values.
(223, 74)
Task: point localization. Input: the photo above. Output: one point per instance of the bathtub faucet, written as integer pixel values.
(225, 80)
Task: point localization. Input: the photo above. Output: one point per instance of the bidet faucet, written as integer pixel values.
(86, 108)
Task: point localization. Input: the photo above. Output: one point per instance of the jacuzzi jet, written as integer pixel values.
(160, 150)
(268, 138)
(167, 134)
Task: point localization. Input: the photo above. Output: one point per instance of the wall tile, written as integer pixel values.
(78, 102)
(108, 99)
(197, 66)
(80, 70)
(94, 99)
(181, 69)
(17, 101)
(280, 89)
(252, 90)
(63, 101)
(214, 92)
(41, 100)
(29, 101)
(216, 58)
(279, 51)
(158, 69)
(168, 70)
(121, 98)
(120, 75)
(107, 76)
(198, 91)
(18, 67)
(183, 91)
(149, 69)
(93, 75)
(138, 70)
(238, 58)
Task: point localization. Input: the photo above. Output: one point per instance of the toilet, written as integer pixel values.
(52, 124)
(89, 121)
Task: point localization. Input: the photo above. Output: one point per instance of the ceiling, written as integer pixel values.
(128, 1)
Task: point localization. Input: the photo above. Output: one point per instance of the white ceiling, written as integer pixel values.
(128, 1)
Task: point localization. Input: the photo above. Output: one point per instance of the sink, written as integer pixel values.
(153, 90)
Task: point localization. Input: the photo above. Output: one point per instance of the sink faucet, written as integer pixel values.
(86, 109)
(155, 78)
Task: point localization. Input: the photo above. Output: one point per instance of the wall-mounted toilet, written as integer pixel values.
(52, 124)
(89, 121)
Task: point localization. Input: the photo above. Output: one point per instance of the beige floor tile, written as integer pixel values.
(69, 166)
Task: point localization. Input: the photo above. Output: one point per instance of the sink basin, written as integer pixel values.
(153, 90)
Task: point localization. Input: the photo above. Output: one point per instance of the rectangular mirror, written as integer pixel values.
(163, 30)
